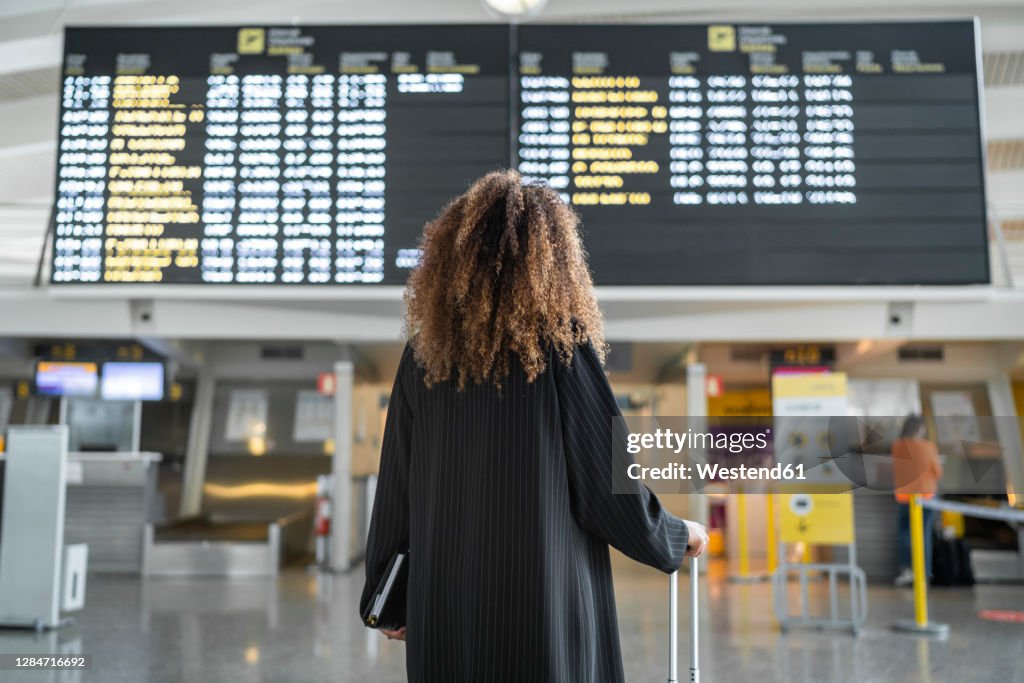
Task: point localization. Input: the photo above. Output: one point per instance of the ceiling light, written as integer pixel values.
(515, 9)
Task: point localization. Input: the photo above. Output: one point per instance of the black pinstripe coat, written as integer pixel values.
(504, 501)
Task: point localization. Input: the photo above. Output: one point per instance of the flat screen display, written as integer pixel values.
(269, 155)
(762, 154)
(56, 378)
(726, 154)
(132, 382)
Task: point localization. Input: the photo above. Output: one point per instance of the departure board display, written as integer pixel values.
(726, 154)
(263, 155)
(761, 153)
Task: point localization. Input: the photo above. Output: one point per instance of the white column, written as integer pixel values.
(697, 408)
(341, 467)
(136, 426)
(1000, 396)
(198, 447)
(696, 390)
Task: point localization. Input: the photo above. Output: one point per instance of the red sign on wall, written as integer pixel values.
(326, 383)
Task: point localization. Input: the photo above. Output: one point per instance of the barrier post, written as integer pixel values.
(742, 574)
(918, 562)
(772, 549)
(744, 545)
(920, 623)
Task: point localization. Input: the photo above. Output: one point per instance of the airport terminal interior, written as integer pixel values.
(794, 211)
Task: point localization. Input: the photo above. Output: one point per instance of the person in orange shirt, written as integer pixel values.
(916, 469)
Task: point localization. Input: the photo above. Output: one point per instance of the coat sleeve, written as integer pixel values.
(635, 522)
(389, 523)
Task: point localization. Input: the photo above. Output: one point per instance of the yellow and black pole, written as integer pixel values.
(920, 623)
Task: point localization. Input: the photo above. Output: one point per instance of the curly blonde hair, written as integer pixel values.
(503, 271)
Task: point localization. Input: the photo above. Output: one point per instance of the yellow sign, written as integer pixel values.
(811, 384)
(251, 41)
(815, 518)
(721, 38)
(741, 403)
(65, 351)
(45, 366)
(802, 355)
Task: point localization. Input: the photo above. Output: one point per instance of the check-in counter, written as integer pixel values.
(110, 497)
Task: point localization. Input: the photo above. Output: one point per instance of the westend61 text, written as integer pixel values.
(715, 472)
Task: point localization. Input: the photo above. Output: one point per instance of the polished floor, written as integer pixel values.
(304, 628)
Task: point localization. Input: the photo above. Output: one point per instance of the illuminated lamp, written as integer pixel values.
(515, 9)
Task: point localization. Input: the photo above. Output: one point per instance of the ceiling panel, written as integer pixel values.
(1006, 155)
(1004, 68)
(17, 85)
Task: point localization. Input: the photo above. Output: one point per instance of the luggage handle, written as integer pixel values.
(673, 625)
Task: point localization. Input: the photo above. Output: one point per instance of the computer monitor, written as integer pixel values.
(132, 381)
(58, 378)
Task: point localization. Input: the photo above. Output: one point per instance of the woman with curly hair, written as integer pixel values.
(495, 472)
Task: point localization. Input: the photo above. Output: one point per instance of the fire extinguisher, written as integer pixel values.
(322, 520)
(322, 525)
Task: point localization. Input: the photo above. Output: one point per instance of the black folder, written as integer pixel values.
(386, 609)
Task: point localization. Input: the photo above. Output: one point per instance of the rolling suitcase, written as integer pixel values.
(673, 625)
(951, 562)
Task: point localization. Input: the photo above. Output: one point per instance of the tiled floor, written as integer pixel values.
(304, 628)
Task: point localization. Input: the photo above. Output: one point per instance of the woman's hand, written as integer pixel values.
(698, 539)
(394, 635)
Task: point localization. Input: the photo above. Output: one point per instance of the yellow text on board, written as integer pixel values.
(815, 518)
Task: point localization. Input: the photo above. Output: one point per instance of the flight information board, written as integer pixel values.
(695, 154)
(762, 154)
(269, 155)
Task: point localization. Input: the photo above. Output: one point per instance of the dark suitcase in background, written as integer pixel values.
(951, 562)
